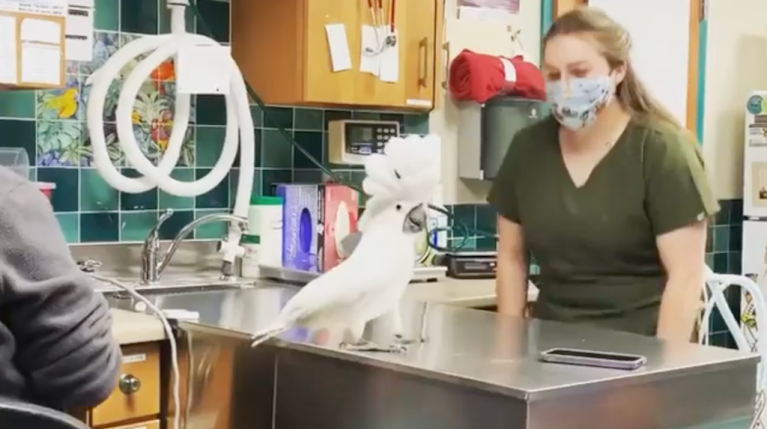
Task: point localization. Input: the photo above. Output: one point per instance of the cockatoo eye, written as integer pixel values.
(399, 207)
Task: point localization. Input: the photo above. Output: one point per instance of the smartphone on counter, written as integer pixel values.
(593, 358)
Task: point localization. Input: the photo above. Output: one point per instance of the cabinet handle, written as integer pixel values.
(129, 384)
(446, 51)
(423, 53)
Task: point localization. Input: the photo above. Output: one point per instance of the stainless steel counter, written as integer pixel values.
(476, 369)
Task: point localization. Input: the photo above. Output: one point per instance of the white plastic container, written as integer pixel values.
(15, 159)
(250, 264)
(265, 220)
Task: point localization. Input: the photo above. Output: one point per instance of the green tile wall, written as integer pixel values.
(723, 256)
(722, 249)
(725, 237)
(51, 126)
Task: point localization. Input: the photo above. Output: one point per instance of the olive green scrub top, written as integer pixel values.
(595, 244)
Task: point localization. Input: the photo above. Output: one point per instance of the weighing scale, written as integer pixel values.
(470, 265)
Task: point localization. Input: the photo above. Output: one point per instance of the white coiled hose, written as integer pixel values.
(159, 176)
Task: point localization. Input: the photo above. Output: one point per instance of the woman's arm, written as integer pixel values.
(679, 199)
(683, 253)
(512, 268)
(511, 276)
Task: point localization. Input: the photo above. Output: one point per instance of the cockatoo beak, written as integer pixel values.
(416, 220)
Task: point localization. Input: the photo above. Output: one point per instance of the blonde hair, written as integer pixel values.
(614, 43)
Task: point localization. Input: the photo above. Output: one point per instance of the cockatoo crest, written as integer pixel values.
(408, 170)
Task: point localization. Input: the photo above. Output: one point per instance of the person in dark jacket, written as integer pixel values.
(56, 345)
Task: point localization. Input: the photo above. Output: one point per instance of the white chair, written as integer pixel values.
(713, 293)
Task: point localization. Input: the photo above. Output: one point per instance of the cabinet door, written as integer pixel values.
(419, 49)
(137, 396)
(208, 384)
(415, 22)
(321, 84)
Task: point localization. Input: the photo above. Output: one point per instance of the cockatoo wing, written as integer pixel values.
(337, 290)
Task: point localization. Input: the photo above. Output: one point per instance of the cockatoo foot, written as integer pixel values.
(368, 346)
(399, 339)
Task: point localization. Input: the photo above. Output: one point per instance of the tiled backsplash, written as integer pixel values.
(722, 248)
(723, 256)
(476, 217)
(51, 126)
(725, 236)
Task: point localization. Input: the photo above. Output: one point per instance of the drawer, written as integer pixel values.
(138, 392)
(151, 424)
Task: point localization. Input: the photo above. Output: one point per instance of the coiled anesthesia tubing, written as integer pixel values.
(239, 121)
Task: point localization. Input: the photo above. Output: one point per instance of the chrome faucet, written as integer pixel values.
(153, 263)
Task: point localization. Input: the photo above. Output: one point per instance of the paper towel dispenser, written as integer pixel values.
(485, 132)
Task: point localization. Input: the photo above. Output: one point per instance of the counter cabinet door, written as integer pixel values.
(416, 26)
(422, 45)
(137, 395)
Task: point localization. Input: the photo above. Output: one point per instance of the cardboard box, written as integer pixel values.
(32, 44)
(315, 219)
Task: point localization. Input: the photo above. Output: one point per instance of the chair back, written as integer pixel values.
(746, 335)
(20, 415)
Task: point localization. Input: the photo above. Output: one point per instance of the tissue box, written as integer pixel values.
(316, 218)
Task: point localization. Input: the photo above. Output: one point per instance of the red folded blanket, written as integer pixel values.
(479, 77)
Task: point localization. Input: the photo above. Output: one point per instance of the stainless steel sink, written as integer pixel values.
(171, 285)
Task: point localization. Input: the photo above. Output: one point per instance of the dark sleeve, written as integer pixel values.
(503, 196)
(678, 192)
(62, 327)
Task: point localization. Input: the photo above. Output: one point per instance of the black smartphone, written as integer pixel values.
(593, 358)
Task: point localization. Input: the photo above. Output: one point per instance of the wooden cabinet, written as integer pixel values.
(135, 402)
(282, 49)
(152, 424)
(140, 401)
(209, 380)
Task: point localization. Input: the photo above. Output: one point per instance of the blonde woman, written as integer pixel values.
(609, 194)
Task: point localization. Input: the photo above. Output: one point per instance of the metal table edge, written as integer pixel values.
(528, 395)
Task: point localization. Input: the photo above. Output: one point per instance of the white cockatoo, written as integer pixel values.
(371, 282)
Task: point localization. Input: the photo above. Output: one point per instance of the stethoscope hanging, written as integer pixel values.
(516, 41)
(378, 18)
